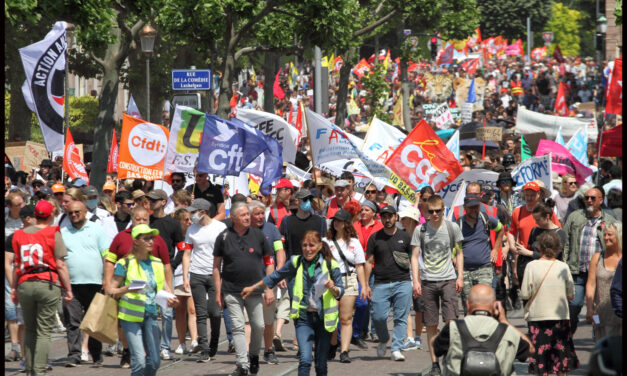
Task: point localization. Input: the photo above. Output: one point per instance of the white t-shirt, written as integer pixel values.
(353, 252)
(202, 239)
(10, 225)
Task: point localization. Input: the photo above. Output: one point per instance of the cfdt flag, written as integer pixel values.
(615, 90)
(185, 136)
(225, 148)
(112, 163)
(143, 147)
(72, 163)
(423, 158)
(44, 65)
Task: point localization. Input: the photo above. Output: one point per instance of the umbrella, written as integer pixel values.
(474, 144)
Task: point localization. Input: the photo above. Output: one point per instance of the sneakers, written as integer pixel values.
(99, 361)
(254, 364)
(374, 337)
(418, 342)
(231, 348)
(165, 354)
(435, 370)
(194, 347)
(203, 357)
(239, 371)
(270, 357)
(73, 363)
(23, 365)
(382, 348)
(332, 351)
(109, 350)
(359, 343)
(409, 344)
(126, 359)
(12, 356)
(278, 344)
(181, 349)
(344, 358)
(84, 356)
(398, 356)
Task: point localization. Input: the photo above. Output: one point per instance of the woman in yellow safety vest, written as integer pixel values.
(314, 310)
(137, 308)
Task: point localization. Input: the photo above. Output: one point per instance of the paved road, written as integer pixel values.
(365, 362)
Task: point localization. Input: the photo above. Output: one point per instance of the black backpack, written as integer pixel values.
(480, 357)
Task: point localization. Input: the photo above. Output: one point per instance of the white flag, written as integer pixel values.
(381, 140)
(453, 144)
(132, 108)
(44, 65)
(275, 127)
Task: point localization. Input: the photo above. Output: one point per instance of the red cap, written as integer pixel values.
(43, 209)
(532, 185)
(390, 190)
(284, 183)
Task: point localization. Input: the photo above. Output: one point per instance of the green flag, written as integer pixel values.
(525, 152)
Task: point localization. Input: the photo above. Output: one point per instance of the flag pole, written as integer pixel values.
(483, 153)
(313, 163)
(600, 139)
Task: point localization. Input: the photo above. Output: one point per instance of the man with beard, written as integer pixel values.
(178, 183)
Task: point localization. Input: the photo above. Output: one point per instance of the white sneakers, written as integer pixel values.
(181, 349)
(165, 355)
(84, 356)
(397, 356)
(382, 348)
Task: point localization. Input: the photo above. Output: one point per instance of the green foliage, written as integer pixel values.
(509, 17)
(376, 90)
(16, 11)
(83, 112)
(618, 12)
(35, 133)
(565, 26)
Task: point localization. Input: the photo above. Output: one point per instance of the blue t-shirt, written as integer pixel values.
(85, 251)
(151, 287)
(476, 244)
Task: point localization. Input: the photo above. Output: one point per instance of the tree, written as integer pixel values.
(509, 17)
(376, 92)
(565, 26)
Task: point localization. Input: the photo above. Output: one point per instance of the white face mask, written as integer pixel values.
(196, 217)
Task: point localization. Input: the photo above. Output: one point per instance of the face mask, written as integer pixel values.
(92, 204)
(196, 217)
(305, 206)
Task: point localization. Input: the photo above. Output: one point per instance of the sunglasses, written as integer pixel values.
(73, 212)
(177, 181)
(129, 205)
(586, 198)
(505, 181)
(370, 192)
(572, 183)
(433, 211)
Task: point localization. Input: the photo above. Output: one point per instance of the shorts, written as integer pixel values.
(351, 287)
(283, 306)
(269, 312)
(436, 294)
(180, 291)
(419, 304)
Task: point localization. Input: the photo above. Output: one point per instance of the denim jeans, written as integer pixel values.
(575, 305)
(310, 329)
(143, 342)
(253, 306)
(166, 327)
(361, 311)
(10, 310)
(73, 314)
(398, 297)
(227, 324)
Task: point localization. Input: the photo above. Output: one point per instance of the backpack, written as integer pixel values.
(423, 231)
(484, 219)
(480, 357)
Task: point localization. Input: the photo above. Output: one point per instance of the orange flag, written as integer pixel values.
(112, 164)
(143, 146)
(560, 101)
(72, 163)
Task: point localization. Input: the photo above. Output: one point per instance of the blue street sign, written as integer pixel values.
(191, 79)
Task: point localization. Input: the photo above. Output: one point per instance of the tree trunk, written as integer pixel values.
(269, 72)
(20, 115)
(342, 92)
(405, 98)
(226, 90)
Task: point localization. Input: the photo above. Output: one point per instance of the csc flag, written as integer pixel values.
(72, 163)
(423, 158)
(143, 147)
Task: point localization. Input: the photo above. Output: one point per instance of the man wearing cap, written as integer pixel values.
(392, 284)
(342, 196)
(36, 286)
(44, 193)
(479, 254)
(522, 220)
(109, 190)
(203, 188)
(106, 219)
(79, 183)
(170, 230)
(87, 243)
(197, 270)
(279, 209)
(506, 195)
(58, 190)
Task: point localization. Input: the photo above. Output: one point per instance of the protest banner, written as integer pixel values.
(143, 147)
(535, 122)
(466, 114)
(381, 140)
(430, 109)
(293, 172)
(614, 91)
(612, 142)
(587, 106)
(489, 134)
(25, 155)
(562, 161)
(531, 169)
(275, 127)
(355, 166)
(185, 135)
(480, 176)
(442, 116)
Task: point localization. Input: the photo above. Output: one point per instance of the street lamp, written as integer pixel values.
(601, 30)
(147, 36)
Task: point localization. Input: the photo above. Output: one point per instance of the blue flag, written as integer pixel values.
(578, 146)
(472, 98)
(559, 138)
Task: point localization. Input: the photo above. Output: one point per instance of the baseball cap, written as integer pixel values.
(43, 209)
(304, 193)
(89, 191)
(108, 186)
(56, 188)
(79, 183)
(143, 229)
(284, 183)
(472, 199)
(410, 212)
(342, 215)
(46, 163)
(388, 209)
(341, 183)
(27, 211)
(44, 191)
(157, 194)
(532, 185)
(199, 204)
(138, 193)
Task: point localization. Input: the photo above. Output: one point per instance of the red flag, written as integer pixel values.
(470, 65)
(557, 54)
(361, 68)
(478, 31)
(277, 91)
(291, 116)
(612, 142)
(615, 90)
(560, 102)
(72, 163)
(112, 164)
(337, 64)
(299, 119)
(423, 157)
(446, 56)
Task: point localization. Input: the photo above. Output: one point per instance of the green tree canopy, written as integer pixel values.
(565, 26)
(509, 17)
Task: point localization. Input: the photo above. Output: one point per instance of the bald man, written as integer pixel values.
(484, 316)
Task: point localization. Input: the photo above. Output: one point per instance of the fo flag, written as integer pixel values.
(112, 163)
(615, 90)
(44, 65)
(143, 147)
(423, 158)
(72, 163)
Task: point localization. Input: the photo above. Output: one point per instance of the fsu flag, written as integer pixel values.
(72, 163)
(470, 65)
(112, 164)
(612, 142)
(143, 147)
(557, 54)
(423, 158)
(615, 90)
(560, 102)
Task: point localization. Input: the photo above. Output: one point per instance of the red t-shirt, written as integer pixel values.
(523, 223)
(123, 242)
(363, 232)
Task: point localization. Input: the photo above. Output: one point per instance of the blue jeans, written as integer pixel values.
(166, 327)
(10, 310)
(310, 329)
(227, 324)
(575, 305)
(397, 296)
(361, 311)
(143, 342)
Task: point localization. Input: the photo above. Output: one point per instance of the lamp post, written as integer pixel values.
(147, 36)
(601, 30)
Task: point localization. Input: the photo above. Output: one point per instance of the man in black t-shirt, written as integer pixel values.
(293, 227)
(392, 285)
(210, 192)
(237, 254)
